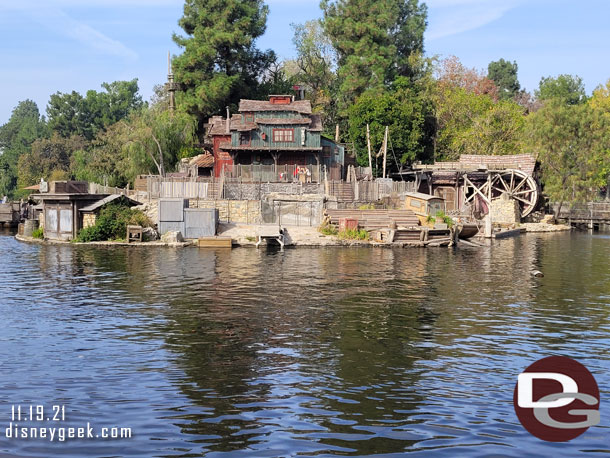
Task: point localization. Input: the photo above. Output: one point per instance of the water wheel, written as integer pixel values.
(517, 184)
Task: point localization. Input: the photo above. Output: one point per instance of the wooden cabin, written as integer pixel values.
(277, 134)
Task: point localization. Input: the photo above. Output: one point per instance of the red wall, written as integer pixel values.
(221, 158)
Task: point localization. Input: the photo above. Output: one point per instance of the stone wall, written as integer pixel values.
(89, 220)
(505, 210)
(257, 191)
(233, 211)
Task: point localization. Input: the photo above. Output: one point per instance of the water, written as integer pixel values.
(308, 352)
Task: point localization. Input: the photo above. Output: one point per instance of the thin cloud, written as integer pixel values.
(56, 20)
(456, 16)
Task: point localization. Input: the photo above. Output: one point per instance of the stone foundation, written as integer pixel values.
(505, 210)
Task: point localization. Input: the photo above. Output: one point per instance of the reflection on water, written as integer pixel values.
(304, 352)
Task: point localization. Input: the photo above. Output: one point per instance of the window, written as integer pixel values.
(283, 135)
(326, 151)
(248, 117)
(244, 139)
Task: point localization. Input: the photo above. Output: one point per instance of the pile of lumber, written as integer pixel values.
(371, 220)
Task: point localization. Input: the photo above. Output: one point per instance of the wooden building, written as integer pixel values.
(275, 132)
(64, 208)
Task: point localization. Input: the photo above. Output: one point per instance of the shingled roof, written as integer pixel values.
(524, 162)
(299, 106)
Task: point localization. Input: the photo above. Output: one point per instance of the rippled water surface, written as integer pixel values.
(308, 352)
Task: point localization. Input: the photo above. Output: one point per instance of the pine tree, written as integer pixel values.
(375, 40)
(220, 63)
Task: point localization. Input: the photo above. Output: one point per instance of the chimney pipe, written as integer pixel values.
(228, 125)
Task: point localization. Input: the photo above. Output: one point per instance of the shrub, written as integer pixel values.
(354, 234)
(445, 219)
(328, 229)
(38, 233)
(112, 222)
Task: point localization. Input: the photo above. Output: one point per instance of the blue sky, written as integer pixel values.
(63, 45)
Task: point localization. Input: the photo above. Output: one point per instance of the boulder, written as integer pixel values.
(149, 234)
(172, 237)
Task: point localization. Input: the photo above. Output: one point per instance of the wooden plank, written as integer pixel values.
(215, 242)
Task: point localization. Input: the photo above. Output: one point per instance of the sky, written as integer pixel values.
(48, 46)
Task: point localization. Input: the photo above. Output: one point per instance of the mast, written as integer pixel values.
(171, 86)
(368, 144)
(385, 147)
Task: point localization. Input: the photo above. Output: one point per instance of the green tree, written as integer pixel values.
(151, 140)
(504, 74)
(16, 137)
(315, 63)
(567, 143)
(570, 89)
(220, 63)
(72, 114)
(49, 158)
(402, 109)
(375, 41)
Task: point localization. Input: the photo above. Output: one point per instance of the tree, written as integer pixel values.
(504, 74)
(48, 158)
(568, 88)
(315, 62)
(72, 114)
(151, 140)
(451, 73)
(220, 63)
(374, 40)
(16, 136)
(402, 109)
(600, 104)
(563, 136)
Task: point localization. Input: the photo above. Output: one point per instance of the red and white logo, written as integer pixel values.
(557, 399)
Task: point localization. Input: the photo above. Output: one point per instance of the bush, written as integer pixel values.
(445, 219)
(112, 222)
(38, 233)
(354, 234)
(367, 207)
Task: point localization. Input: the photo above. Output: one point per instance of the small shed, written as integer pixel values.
(424, 205)
(88, 214)
(64, 207)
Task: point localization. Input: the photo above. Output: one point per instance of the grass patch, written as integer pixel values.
(38, 233)
(367, 207)
(328, 229)
(112, 222)
(249, 238)
(354, 234)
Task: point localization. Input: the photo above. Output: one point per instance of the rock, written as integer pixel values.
(149, 234)
(537, 273)
(172, 237)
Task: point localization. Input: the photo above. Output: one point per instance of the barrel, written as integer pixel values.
(29, 226)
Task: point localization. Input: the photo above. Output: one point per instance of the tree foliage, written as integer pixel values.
(49, 158)
(16, 137)
(568, 147)
(374, 40)
(220, 63)
(504, 74)
(72, 114)
(567, 88)
(402, 109)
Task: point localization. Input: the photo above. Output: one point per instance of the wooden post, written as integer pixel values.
(385, 148)
(368, 143)
(337, 133)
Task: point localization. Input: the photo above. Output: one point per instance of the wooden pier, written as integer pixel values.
(10, 214)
